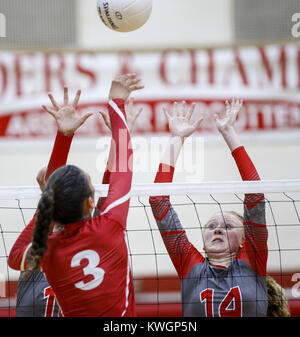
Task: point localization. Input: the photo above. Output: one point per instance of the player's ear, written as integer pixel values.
(88, 205)
(91, 202)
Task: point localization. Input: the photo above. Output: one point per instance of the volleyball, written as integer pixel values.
(124, 15)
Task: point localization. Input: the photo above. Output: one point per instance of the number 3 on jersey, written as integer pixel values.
(91, 269)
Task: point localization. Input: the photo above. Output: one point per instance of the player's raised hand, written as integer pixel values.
(180, 120)
(67, 118)
(226, 120)
(123, 85)
(131, 114)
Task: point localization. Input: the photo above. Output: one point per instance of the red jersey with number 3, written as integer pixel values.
(87, 263)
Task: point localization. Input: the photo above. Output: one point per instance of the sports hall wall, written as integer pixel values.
(193, 50)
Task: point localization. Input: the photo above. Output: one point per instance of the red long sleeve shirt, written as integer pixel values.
(87, 263)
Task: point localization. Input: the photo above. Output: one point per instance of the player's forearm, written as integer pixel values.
(106, 175)
(231, 138)
(120, 160)
(117, 201)
(17, 255)
(248, 172)
(110, 165)
(59, 153)
(172, 151)
(244, 163)
(161, 204)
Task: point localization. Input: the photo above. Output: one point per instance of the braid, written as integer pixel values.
(62, 203)
(41, 231)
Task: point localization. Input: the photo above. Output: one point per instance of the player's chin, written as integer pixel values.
(217, 248)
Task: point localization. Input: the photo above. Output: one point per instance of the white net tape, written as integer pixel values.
(220, 187)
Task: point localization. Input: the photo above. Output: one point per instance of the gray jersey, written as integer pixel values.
(35, 298)
(214, 291)
(238, 291)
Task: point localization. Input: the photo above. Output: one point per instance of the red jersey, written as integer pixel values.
(87, 262)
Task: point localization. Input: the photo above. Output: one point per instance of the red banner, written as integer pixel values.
(266, 78)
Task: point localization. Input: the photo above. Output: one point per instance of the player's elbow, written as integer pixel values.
(154, 200)
(13, 262)
(157, 200)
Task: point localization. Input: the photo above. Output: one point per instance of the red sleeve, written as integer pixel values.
(255, 249)
(101, 200)
(17, 257)
(161, 204)
(181, 251)
(248, 172)
(164, 174)
(59, 153)
(106, 177)
(116, 204)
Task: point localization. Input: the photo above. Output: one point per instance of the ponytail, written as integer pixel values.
(41, 230)
(61, 202)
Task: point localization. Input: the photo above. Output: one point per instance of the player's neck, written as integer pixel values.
(221, 260)
(57, 228)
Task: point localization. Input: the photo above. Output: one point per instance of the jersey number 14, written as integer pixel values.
(232, 297)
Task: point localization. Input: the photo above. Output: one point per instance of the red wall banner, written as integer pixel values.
(267, 79)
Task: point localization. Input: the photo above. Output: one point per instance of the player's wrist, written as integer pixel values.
(176, 139)
(227, 131)
(231, 138)
(69, 133)
(65, 133)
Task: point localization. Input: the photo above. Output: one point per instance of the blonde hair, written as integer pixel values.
(277, 301)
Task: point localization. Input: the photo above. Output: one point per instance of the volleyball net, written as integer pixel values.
(157, 286)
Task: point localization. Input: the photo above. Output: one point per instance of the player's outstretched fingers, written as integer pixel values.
(66, 96)
(165, 111)
(134, 118)
(85, 117)
(53, 101)
(197, 123)
(50, 111)
(136, 87)
(191, 111)
(105, 118)
(134, 83)
(76, 99)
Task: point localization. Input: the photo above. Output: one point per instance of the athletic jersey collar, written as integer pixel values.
(71, 228)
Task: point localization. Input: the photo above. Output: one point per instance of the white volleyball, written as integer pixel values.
(124, 15)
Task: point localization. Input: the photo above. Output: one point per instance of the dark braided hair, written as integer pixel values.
(62, 202)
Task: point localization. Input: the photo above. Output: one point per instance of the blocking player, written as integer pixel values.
(85, 260)
(230, 279)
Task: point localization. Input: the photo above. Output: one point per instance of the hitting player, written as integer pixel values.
(86, 261)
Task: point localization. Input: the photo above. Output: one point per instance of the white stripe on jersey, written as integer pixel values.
(127, 285)
(127, 196)
(22, 267)
(117, 203)
(118, 111)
